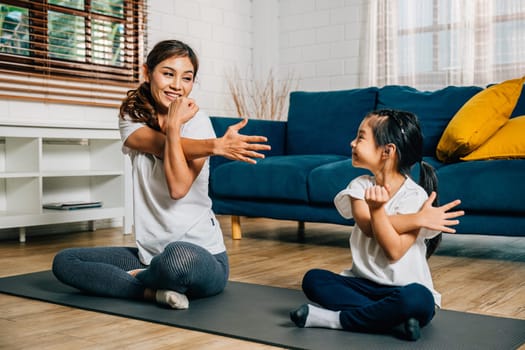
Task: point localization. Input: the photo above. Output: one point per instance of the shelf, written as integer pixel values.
(76, 173)
(49, 216)
(46, 164)
(12, 175)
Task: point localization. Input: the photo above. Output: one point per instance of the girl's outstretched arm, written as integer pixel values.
(396, 233)
(434, 218)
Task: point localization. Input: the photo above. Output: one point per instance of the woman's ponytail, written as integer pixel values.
(138, 105)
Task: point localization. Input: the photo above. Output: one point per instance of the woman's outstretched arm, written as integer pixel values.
(231, 145)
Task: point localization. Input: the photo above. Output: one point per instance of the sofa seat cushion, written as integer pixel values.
(433, 108)
(327, 180)
(272, 178)
(493, 186)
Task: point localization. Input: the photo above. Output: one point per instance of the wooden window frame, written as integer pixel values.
(72, 82)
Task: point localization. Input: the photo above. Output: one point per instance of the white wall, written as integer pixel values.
(320, 40)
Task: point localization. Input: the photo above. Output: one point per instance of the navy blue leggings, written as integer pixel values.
(367, 306)
(182, 267)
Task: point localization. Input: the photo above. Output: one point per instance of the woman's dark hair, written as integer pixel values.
(402, 129)
(139, 103)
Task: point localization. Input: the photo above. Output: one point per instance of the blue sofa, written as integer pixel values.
(310, 161)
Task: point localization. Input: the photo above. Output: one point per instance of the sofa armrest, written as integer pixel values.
(275, 131)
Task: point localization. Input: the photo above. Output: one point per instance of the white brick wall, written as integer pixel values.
(320, 42)
(317, 41)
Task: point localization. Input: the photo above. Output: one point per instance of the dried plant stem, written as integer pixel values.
(260, 99)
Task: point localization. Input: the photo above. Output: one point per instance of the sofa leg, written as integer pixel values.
(300, 230)
(236, 227)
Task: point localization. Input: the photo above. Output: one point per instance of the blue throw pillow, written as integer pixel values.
(325, 122)
(433, 108)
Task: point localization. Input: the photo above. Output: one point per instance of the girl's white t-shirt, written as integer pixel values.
(159, 219)
(368, 258)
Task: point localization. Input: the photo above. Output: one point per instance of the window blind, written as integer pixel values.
(86, 52)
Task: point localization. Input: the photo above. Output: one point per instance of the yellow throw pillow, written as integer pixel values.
(478, 119)
(507, 143)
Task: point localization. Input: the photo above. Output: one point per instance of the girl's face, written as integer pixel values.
(365, 151)
(170, 79)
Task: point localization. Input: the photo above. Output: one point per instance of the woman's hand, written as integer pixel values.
(235, 146)
(180, 111)
(439, 218)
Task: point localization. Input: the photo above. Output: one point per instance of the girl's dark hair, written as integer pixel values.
(402, 129)
(139, 103)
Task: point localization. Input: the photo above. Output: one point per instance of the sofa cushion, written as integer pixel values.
(273, 178)
(507, 143)
(325, 181)
(433, 108)
(492, 186)
(325, 122)
(478, 120)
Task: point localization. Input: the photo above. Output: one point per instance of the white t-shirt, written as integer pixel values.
(368, 258)
(158, 218)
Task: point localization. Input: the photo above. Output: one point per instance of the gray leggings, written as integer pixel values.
(182, 267)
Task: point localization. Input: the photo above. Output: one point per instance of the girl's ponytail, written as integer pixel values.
(428, 179)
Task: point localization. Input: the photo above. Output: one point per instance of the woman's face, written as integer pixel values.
(170, 79)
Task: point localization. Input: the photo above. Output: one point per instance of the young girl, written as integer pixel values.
(180, 252)
(389, 284)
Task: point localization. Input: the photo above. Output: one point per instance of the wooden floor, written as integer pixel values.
(478, 274)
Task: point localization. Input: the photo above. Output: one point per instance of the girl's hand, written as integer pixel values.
(439, 218)
(377, 196)
(181, 110)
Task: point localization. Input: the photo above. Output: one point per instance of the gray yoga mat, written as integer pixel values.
(260, 314)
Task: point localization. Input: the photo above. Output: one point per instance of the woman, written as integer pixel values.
(180, 253)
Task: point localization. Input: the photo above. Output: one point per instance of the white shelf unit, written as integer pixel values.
(51, 164)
